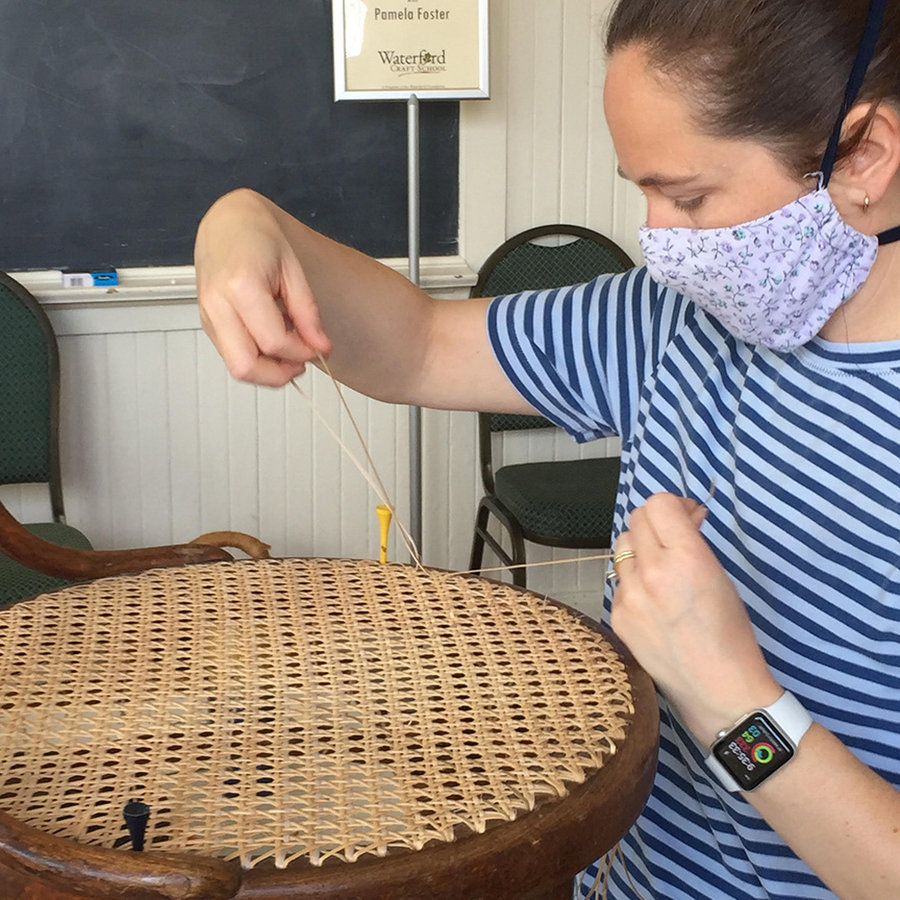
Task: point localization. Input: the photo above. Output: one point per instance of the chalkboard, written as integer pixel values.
(121, 121)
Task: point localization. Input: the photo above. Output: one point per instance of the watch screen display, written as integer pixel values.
(752, 751)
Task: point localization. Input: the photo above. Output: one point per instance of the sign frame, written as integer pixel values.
(343, 92)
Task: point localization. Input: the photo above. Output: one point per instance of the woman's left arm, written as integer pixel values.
(681, 617)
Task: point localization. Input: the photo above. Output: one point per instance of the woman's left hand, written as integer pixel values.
(680, 615)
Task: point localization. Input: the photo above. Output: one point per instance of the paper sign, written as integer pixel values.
(392, 49)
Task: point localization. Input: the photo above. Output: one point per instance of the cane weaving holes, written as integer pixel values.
(298, 708)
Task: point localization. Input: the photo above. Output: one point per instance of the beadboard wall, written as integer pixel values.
(159, 444)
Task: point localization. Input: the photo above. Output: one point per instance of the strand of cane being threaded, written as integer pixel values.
(373, 478)
(370, 472)
(375, 481)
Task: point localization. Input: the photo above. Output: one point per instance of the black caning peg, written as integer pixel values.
(137, 815)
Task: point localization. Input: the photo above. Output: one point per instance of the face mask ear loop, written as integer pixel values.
(864, 56)
(889, 237)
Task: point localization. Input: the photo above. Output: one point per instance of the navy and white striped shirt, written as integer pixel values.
(805, 452)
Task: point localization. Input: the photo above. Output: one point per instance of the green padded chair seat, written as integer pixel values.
(558, 500)
(18, 582)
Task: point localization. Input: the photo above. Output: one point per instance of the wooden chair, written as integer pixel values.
(533, 854)
(560, 503)
(68, 565)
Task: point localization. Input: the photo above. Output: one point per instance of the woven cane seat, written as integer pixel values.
(298, 714)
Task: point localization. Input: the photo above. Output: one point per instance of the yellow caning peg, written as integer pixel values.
(384, 518)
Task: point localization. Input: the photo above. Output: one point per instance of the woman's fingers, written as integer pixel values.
(242, 351)
(301, 308)
(664, 522)
(255, 302)
(247, 319)
(624, 555)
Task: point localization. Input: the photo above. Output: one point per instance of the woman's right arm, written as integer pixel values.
(274, 295)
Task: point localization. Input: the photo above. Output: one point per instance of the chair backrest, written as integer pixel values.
(549, 256)
(533, 259)
(29, 393)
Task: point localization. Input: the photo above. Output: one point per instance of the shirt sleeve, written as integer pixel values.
(580, 354)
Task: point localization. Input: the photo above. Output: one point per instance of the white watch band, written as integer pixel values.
(787, 713)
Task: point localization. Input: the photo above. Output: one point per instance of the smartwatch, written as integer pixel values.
(755, 748)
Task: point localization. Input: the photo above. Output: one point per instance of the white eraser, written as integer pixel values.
(77, 279)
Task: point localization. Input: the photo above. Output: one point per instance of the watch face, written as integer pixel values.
(752, 751)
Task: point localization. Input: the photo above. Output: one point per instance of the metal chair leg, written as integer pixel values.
(482, 536)
(476, 556)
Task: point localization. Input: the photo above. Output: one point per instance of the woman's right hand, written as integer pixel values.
(255, 302)
(269, 287)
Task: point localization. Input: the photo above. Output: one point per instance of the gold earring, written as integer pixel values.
(866, 203)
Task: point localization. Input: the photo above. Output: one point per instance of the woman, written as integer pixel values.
(758, 352)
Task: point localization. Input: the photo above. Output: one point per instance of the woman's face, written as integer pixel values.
(691, 180)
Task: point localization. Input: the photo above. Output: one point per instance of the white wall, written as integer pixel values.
(539, 150)
(160, 445)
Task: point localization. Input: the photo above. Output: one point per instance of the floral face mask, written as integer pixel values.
(774, 281)
(777, 280)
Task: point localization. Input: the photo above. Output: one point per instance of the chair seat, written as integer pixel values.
(18, 582)
(557, 501)
(334, 728)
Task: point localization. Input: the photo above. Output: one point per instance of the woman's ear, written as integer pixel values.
(866, 176)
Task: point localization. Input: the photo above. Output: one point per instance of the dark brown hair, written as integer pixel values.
(770, 70)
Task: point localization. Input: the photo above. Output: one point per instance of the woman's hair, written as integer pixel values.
(770, 70)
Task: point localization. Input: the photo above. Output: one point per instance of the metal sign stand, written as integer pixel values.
(415, 412)
(454, 64)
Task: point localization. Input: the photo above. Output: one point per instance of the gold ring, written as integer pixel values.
(612, 574)
(621, 557)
